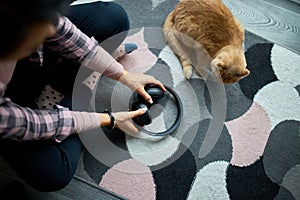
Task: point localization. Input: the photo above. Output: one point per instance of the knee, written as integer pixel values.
(53, 175)
(110, 21)
(120, 17)
(50, 183)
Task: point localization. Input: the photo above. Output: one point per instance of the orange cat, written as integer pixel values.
(210, 24)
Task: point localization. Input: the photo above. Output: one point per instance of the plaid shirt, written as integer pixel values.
(21, 123)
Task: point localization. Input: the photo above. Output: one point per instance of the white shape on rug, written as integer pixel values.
(153, 150)
(210, 182)
(168, 56)
(281, 102)
(171, 60)
(285, 64)
(155, 3)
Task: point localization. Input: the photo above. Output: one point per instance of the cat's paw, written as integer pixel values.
(188, 71)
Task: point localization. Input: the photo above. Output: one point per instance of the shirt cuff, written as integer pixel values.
(66, 124)
(85, 121)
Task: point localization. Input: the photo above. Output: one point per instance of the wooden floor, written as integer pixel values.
(276, 20)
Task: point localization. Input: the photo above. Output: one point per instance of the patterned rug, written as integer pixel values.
(237, 141)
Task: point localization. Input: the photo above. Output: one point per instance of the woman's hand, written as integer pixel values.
(124, 120)
(137, 82)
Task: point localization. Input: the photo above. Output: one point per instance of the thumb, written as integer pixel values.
(138, 112)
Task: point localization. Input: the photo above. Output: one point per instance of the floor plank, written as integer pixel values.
(77, 189)
(289, 5)
(276, 21)
(295, 1)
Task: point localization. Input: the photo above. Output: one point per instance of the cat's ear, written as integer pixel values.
(245, 73)
(221, 65)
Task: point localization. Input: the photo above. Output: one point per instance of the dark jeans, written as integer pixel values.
(46, 165)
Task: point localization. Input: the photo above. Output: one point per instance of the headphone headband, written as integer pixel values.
(177, 122)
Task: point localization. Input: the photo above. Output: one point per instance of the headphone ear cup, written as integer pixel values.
(143, 119)
(154, 91)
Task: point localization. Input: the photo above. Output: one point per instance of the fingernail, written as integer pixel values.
(151, 102)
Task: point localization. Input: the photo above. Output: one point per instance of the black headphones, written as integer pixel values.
(156, 94)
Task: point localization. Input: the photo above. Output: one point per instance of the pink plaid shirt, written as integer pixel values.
(21, 123)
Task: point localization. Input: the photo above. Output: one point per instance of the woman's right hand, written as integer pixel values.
(124, 120)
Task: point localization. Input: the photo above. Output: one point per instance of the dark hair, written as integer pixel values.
(16, 17)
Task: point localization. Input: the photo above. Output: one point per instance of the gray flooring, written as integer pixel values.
(275, 20)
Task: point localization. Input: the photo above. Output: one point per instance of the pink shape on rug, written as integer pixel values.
(130, 179)
(141, 59)
(249, 134)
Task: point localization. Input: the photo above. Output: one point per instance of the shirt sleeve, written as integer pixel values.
(71, 43)
(20, 123)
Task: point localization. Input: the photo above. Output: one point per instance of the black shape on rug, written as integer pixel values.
(250, 183)
(298, 89)
(222, 151)
(261, 71)
(175, 180)
(282, 150)
(94, 168)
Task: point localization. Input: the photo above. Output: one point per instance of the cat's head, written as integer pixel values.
(229, 64)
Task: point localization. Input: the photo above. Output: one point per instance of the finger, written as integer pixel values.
(162, 86)
(145, 95)
(158, 83)
(138, 112)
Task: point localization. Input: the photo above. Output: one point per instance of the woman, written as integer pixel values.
(40, 49)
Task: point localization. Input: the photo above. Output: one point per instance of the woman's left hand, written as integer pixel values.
(137, 82)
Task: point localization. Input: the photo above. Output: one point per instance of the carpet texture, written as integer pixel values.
(256, 153)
